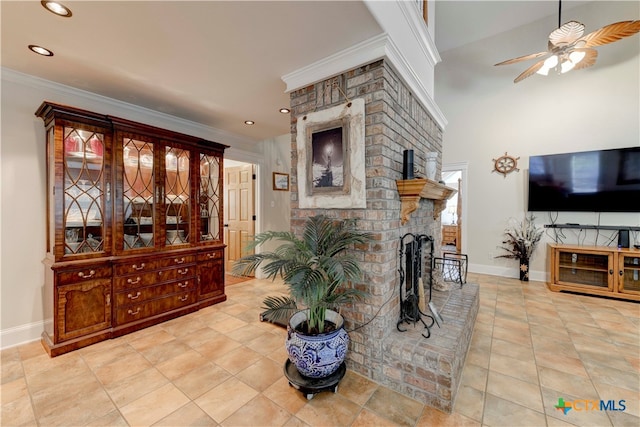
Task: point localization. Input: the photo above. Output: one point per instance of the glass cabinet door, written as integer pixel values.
(629, 281)
(177, 200)
(592, 269)
(139, 189)
(209, 197)
(84, 191)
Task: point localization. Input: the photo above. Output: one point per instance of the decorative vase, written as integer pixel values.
(431, 165)
(524, 269)
(317, 356)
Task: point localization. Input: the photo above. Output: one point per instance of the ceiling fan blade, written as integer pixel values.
(522, 58)
(567, 33)
(611, 33)
(590, 56)
(529, 71)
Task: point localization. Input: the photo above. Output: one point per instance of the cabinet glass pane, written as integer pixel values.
(631, 279)
(210, 197)
(584, 277)
(584, 260)
(83, 191)
(177, 200)
(138, 190)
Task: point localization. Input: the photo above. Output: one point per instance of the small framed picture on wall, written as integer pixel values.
(280, 181)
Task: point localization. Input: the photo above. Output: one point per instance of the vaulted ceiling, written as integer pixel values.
(213, 62)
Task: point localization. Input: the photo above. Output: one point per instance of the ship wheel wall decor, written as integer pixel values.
(505, 164)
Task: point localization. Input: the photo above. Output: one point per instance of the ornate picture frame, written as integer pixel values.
(331, 161)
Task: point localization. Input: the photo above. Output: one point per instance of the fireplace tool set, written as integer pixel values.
(413, 301)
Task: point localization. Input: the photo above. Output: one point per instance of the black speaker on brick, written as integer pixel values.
(407, 164)
(623, 238)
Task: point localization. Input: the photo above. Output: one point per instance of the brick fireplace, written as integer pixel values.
(426, 369)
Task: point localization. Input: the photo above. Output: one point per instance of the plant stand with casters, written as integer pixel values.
(309, 387)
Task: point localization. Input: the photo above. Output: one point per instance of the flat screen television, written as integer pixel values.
(588, 181)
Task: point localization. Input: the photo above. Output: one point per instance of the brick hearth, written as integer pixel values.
(429, 369)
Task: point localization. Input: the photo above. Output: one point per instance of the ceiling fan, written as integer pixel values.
(569, 50)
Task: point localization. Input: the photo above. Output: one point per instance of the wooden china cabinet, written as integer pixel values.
(134, 226)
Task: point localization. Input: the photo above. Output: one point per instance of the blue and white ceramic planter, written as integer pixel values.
(317, 356)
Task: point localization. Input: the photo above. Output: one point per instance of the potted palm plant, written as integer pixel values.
(315, 269)
(521, 240)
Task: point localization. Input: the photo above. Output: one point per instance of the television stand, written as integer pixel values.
(596, 270)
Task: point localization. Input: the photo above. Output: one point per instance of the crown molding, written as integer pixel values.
(373, 49)
(420, 32)
(415, 83)
(359, 54)
(117, 107)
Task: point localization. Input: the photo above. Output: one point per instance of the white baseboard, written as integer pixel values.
(539, 276)
(23, 334)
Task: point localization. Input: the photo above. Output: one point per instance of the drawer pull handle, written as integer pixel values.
(181, 271)
(184, 298)
(87, 276)
(183, 285)
(179, 261)
(211, 256)
(136, 267)
(133, 313)
(134, 297)
(133, 282)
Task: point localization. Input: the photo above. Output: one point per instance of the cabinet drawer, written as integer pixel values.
(140, 266)
(177, 260)
(136, 281)
(207, 256)
(77, 275)
(143, 310)
(136, 296)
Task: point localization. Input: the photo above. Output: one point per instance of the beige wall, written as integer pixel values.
(590, 109)
(275, 205)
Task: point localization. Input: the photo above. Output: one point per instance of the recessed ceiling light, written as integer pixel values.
(57, 8)
(285, 110)
(40, 50)
(249, 122)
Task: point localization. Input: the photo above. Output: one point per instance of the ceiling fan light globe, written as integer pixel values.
(576, 56)
(566, 66)
(551, 62)
(544, 71)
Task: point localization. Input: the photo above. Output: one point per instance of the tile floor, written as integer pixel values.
(221, 366)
